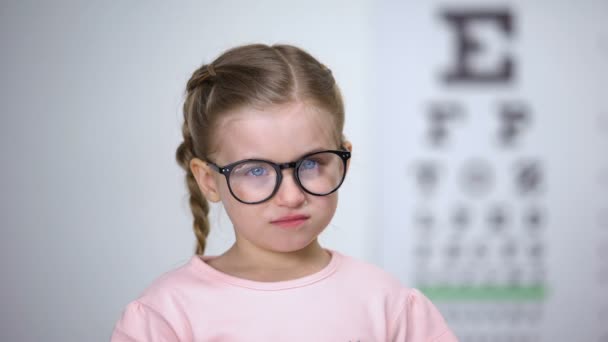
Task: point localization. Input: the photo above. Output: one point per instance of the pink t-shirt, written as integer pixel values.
(348, 300)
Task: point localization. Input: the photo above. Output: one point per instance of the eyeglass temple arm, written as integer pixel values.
(213, 166)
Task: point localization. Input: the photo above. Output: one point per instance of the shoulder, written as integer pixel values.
(365, 279)
(139, 322)
(367, 273)
(158, 313)
(169, 295)
(171, 284)
(420, 320)
(411, 316)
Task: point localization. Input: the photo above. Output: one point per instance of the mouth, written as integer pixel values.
(292, 221)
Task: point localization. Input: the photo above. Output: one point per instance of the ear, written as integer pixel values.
(349, 146)
(205, 178)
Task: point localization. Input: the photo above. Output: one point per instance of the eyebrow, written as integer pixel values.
(318, 149)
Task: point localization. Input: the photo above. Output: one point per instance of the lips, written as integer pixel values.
(290, 221)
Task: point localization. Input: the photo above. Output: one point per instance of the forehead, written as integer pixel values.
(279, 133)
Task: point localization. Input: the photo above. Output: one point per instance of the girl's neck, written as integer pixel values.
(257, 264)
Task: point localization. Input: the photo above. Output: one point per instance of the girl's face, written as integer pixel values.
(281, 134)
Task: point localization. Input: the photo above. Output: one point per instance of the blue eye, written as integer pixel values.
(257, 171)
(252, 169)
(308, 164)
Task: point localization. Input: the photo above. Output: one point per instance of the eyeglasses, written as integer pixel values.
(253, 181)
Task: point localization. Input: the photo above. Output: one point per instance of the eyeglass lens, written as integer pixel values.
(255, 181)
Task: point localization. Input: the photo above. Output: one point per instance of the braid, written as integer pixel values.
(198, 203)
(202, 74)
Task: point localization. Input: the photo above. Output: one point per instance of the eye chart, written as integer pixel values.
(494, 163)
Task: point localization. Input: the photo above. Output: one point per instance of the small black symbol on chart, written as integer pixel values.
(481, 250)
(514, 117)
(423, 251)
(477, 177)
(536, 250)
(441, 117)
(529, 177)
(452, 251)
(533, 219)
(509, 249)
(424, 220)
(498, 218)
(461, 217)
(427, 176)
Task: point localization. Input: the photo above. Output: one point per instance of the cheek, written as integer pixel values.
(239, 213)
(227, 199)
(231, 205)
(326, 205)
(224, 191)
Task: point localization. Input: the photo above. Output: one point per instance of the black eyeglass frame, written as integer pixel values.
(227, 169)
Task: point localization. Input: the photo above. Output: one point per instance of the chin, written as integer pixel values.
(290, 246)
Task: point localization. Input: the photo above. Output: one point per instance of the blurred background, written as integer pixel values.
(479, 172)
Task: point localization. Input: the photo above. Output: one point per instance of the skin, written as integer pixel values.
(263, 251)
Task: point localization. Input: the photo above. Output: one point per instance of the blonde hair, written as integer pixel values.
(250, 75)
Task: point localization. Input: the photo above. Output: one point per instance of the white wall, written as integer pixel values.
(93, 203)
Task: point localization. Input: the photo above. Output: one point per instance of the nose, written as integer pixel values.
(290, 194)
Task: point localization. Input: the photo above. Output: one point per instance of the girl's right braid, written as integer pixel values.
(198, 203)
(184, 154)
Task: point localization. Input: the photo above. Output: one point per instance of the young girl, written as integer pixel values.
(263, 135)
